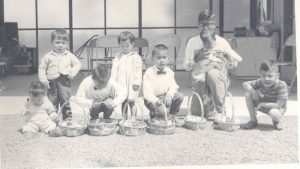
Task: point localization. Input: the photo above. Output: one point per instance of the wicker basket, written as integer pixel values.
(102, 127)
(72, 128)
(229, 124)
(195, 122)
(132, 127)
(161, 127)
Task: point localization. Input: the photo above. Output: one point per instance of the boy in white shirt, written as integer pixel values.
(159, 85)
(101, 93)
(56, 70)
(127, 70)
(39, 113)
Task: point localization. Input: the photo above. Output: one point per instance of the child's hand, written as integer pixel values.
(70, 77)
(27, 113)
(158, 103)
(108, 104)
(190, 65)
(168, 100)
(53, 116)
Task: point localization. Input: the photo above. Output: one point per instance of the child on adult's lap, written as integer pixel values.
(39, 113)
(267, 94)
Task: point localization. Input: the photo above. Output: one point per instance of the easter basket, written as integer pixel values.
(102, 127)
(131, 127)
(161, 127)
(227, 123)
(195, 122)
(78, 124)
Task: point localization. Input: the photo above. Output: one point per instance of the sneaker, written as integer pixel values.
(277, 125)
(249, 125)
(218, 117)
(211, 115)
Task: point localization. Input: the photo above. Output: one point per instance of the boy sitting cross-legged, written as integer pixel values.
(159, 85)
(267, 94)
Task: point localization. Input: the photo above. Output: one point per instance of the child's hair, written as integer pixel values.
(157, 48)
(60, 34)
(205, 15)
(126, 35)
(207, 35)
(101, 73)
(269, 65)
(37, 87)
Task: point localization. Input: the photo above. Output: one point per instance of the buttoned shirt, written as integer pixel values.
(54, 64)
(157, 84)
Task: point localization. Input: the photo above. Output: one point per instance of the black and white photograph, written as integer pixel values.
(148, 83)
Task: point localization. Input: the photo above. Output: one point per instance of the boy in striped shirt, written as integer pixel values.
(267, 94)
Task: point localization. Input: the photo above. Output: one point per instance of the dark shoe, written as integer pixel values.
(249, 125)
(218, 117)
(277, 125)
(211, 115)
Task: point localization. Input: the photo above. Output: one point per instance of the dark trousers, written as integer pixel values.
(175, 106)
(97, 108)
(59, 93)
(212, 93)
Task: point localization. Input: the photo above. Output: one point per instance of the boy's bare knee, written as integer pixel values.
(275, 114)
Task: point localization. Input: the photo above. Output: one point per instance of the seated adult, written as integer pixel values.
(213, 90)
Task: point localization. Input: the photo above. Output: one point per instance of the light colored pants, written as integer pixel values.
(44, 126)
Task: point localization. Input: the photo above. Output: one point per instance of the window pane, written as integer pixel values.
(27, 38)
(88, 14)
(216, 11)
(158, 13)
(53, 13)
(236, 13)
(15, 10)
(122, 13)
(188, 11)
(79, 38)
(184, 34)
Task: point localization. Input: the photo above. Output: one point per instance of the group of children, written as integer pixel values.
(104, 90)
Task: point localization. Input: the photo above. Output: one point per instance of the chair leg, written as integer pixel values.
(292, 82)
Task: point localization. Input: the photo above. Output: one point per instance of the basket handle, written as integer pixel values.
(64, 105)
(190, 103)
(127, 106)
(232, 105)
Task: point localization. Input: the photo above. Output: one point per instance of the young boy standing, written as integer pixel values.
(159, 85)
(127, 70)
(39, 113)
(101, 93)
(57, 68)
(267, 94)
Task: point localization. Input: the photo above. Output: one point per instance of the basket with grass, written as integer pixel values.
(195, 122)
(133, 126)
(78, 124)
(102, 127)
(227, 123)
(162, 126)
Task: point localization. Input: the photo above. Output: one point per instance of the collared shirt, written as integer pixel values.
(195, 44)
(87, 92)
(155, 84)
(127, 70)
(271, 94)
(54, 64)
(40, 113)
